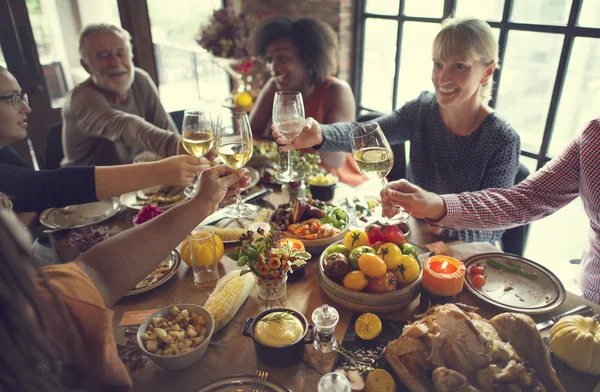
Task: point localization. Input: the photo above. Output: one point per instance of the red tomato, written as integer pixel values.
(374, 233)
(476, 270)
(391, 233)
(478, 281)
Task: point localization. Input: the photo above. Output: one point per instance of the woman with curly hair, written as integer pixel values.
(301, 55)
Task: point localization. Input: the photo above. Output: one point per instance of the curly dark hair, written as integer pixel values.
(316, 41)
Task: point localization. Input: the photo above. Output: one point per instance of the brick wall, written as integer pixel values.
(338, 13)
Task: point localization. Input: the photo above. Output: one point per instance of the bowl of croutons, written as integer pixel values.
(177, 336)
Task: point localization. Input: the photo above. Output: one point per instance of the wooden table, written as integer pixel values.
(304, 295)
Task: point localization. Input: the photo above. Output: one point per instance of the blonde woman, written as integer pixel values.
(457, 142)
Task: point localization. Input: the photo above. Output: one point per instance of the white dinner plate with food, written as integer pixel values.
(240, 383)
(165, 271)
(230, 229)
(317, 224)
(515, 283)
(163, 197)
(80, 215)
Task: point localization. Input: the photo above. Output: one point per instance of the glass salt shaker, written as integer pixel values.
(334, 382)
(325, 319)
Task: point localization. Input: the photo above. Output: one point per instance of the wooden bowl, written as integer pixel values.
(360, 301)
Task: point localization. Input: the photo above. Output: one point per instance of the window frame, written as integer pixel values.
(570, 31)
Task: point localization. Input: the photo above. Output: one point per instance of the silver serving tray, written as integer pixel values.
(542, 295)
(80, 215)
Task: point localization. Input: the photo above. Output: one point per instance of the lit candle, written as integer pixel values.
(443, 279)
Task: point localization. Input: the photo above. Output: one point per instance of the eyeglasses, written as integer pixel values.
(16, 99)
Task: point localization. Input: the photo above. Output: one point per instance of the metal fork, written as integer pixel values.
(258, 383)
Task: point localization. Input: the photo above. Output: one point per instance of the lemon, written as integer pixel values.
(368, 326)
(380, 381)
(185, 250)
(242, 99)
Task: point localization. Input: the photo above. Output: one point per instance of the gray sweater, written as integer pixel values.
(441, 162)
(98, 132)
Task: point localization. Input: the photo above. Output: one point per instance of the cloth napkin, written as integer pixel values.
(466, 250)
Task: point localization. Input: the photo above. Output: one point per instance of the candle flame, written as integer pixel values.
(444, 265)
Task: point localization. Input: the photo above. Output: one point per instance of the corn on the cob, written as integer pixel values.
(227, 297)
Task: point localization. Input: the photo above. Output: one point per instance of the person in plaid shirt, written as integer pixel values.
(575, 172)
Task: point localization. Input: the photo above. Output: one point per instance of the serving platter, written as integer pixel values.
(80, 215)
(240, 383)
(137, 200)
(514, 292)
(161, 274)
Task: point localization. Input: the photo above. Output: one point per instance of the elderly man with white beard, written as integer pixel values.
(116, 113)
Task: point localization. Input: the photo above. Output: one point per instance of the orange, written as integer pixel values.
(372, 265)
(293, 243)
(368, 326)
(185, 250)
(355, 280)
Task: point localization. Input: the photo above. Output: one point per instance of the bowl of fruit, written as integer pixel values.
(371, 270)
(322, 186)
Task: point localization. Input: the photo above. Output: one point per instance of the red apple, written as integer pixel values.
(383, 284)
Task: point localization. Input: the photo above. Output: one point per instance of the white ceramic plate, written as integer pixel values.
(514, 292)
(173, 261)
(132, 201)
(240, 383)
(80, 215)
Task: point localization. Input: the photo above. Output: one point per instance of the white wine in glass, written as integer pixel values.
(288, 120)
(235, 155)
(198, 130)
(235, 146)
(374, 157)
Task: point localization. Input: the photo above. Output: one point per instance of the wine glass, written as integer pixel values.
(288, 120)
(374, 157)
(234, 146)
(198, 131)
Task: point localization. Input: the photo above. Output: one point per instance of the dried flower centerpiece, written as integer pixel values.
(270, 260)
(226, 36)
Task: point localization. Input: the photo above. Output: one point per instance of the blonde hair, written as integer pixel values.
(472, 38)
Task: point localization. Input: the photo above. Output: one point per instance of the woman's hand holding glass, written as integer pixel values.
(288, 121)
(311, 135)
(374, 158)
(218, 182)
(234, 145)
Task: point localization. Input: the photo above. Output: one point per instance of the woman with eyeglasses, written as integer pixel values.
(34, 191)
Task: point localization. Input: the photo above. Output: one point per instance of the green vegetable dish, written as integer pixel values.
(512, 267)
(335, 216)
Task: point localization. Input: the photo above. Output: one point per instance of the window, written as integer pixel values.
(186, 71)
(546, 87)
(56, 31)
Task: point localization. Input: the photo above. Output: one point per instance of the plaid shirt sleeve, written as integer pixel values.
(575, 172)
(544, 192)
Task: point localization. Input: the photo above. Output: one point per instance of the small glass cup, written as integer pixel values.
(271, 293)
(334, 382)
(325, 319)
(204, 256)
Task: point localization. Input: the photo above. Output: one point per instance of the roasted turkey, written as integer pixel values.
(454, 350)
